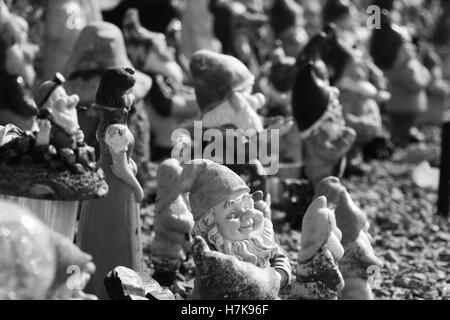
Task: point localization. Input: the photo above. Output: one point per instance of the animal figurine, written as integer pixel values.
(317, 273)
(172, 225)
(240, 238)
(109, 228)
(359, 262)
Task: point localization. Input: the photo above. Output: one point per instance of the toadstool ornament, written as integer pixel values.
(221, 276)
(51, 170)
(318, 275)
(37, 262)
(172, 225)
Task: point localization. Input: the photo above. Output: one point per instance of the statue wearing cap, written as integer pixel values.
(325, 137)
(225, 216)
(57, 118)
(17, 74)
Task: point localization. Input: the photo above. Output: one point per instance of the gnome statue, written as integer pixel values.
(276, 84)
(109, 228)
(325, 137)
(359, 261)
(169, 102)
(393, 52)
(172, 225)
(223, 87)
(37, 263)
(57, 119)
(17, 74)
(243, 260)
(318, 274)
(287, 22)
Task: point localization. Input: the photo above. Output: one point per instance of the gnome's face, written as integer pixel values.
(236, 217)
(63, 109)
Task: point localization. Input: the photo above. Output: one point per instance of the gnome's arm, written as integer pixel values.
(367, 124)
(124, 171)
(280, 262)
(336, 149)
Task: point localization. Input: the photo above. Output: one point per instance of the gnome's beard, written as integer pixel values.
(258, 248)
(244, 118)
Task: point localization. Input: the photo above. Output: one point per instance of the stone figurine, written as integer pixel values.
(172, 225)
(245, 261)
(317, 273)
(359, 262)
(37, 263)
(17, 73)
(326, 138)
(393, 52)
(109, 229)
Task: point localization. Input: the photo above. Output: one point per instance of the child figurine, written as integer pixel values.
(17, 74)
(318, 275)
(325, 137)
(359, 257)
(36, 262)
(109, 228)
(225, 217)
(173, 224)
(394, 53)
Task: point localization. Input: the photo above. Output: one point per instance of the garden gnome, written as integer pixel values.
(277, 85)
(223, 87)
(286, 19)
(359, 98)
(172, 225)
(318, 275)
(64, 20)
(17, 74)
(359, 261)
(226, 218)
(109, 228)
(57, 119)
(393, 52)
(37, 263)
(342, 14)
(325, 137)
(169, 102)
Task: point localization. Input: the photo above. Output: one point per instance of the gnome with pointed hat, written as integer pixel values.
(224, 92)
(393, 52)
(325, 137)
(318, 274)
(359, 262)
(17, 74)
(226, 218)
(172, 225)
(169, 102)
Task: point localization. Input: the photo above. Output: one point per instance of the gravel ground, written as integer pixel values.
(408, 236)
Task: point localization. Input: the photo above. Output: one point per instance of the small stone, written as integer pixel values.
(391, 256)
(445, 236)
